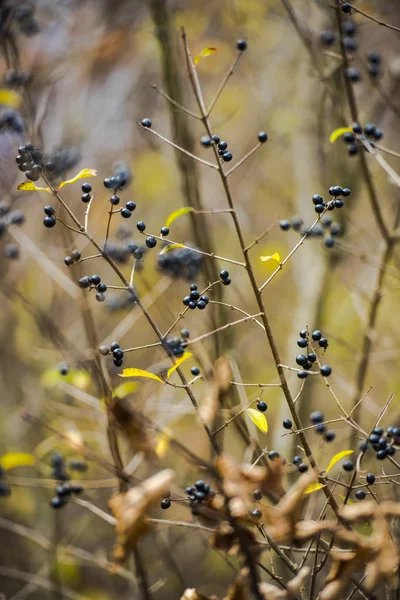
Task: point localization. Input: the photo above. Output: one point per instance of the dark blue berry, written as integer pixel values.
(49, 210)
(195, 371)
(360, 495)
(287, 424)
(348, 465)
(284, 225)
(303, 333)
(302, 343)
(130, 205)
(57, 502)
(323, 343)
(227, 156)
(165, 503)
(325, 370)
(146, 123)
(370, 478)
(262, 137)
(205, 141)
(303, 468)
(301, 360)
(49, 221)
(262, 406)
(241, 45)
(86, 198)
(126, 213)
(273, 454)
(164, 231)
(316, 417)
(302, 374)
(319, 209)
(86, 188)
(312, 357)
(297, 460)
(141, 226)
(320, 428)
(330, 435)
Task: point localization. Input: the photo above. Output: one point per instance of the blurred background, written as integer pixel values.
(84, 71)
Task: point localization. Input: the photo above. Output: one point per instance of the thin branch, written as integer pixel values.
(223, 83)
(244, 158)
(172, 101)
(371, 18)
(200, 160)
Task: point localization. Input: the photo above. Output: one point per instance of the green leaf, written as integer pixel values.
(178, 362)
(10, 460)
(203, 53)
(124, 389)
(338, 457)
(140, 373)
(170, 247)
(313, 487)
(178, 213)
(258, 419)
(338, 132)
(10, 98)
(81, 175)
(275, 257)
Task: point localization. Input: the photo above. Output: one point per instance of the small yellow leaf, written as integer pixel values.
(170, 247)
(162, 445)
(81, 175)
(29, 186)
(258, 419)
(10, 98)
(178, 213)
(313, 487)
(9, 460)
(338, 457)
(338, 132)
(275, 257)
(205, 52)
(140, 373)
(124, 389)
(78, 378)
(178, 362)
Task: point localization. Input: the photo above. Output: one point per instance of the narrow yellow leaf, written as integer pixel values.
(140, 373)
(275, 257)
(124, 389)
(10, 98)
(313, 487)
(29, 186)
(9, 460)
(170, 247)
(178, 213)
(205, 52)
(162, 445)
(258, 419)
(81, 175)
(178, 362)
(338, 457)
(338, 132)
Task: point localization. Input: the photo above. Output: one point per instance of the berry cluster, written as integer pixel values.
(63, 493)
(60, 161)
(5, 489)
(182, 263)
(71, 260)
(223, 151)
(7, 217)
(175, 345)
(116, 351)
(382, 441)
(94, 282)
(224, 276)
(194, 300)
(328, 229)
(57, 463)
(354, 138)
(199, 493)
(335, 191)
(317, 419)
(302, 466)
(307, 362)
(30, 161)
(50, 219)
(374, 64)
(115, 182)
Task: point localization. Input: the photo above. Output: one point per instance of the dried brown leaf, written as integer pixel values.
(131, 508)
(272, 592)
(135, 428)
(218, 386)
(238, 590)
(238, 483)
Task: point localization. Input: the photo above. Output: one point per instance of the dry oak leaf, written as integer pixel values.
(238, 483)
(284, 520)
(130, 509)
(218, 387)
(272, 592)
(376, 553)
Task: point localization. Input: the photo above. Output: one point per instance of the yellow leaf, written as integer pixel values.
(275, 257)
(205, 52)
(338, 457)
(313, 487)
(338, 132)
(81, 175)
(78, 378)
(124, 389)
(10, 98)
(170, 247)
(178, 213)
(29, 186)
(178, 362)
(258, 419)
(162, 445)
(10, 460)
(140, 373)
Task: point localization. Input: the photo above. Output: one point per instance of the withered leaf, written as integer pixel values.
(131, 509)
(272, 592)
(218, 386)
(134, 427)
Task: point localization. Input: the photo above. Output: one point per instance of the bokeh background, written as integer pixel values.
(91, 67)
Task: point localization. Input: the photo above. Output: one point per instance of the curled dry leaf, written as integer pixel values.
(284, 518)
(238, 590)
(135, 428)
(272, 592)
(218, 386)
(238, 483)
(131, 508)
